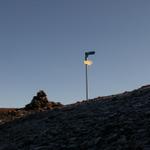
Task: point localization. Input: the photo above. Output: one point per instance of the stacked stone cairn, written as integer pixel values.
(40, 102)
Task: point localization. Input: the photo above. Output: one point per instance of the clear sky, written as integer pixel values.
(42, 45)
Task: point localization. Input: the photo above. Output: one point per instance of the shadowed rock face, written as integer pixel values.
(40, 101)
(117, 122)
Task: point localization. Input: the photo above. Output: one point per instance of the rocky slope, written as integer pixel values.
(39, 103)
(117, 122)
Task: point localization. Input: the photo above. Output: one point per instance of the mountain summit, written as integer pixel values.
(116, 122)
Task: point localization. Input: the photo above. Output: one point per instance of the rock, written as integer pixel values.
(97, 140)
(104, 123)
(40, 101)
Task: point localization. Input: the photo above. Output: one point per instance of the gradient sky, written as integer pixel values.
(42, 45)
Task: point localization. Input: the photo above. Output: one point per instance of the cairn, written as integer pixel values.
(40, 102)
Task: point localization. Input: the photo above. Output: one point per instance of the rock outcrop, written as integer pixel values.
(40, 102)
(117, 122)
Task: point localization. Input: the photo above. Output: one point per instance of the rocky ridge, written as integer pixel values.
(39, 103)
(116, 122)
